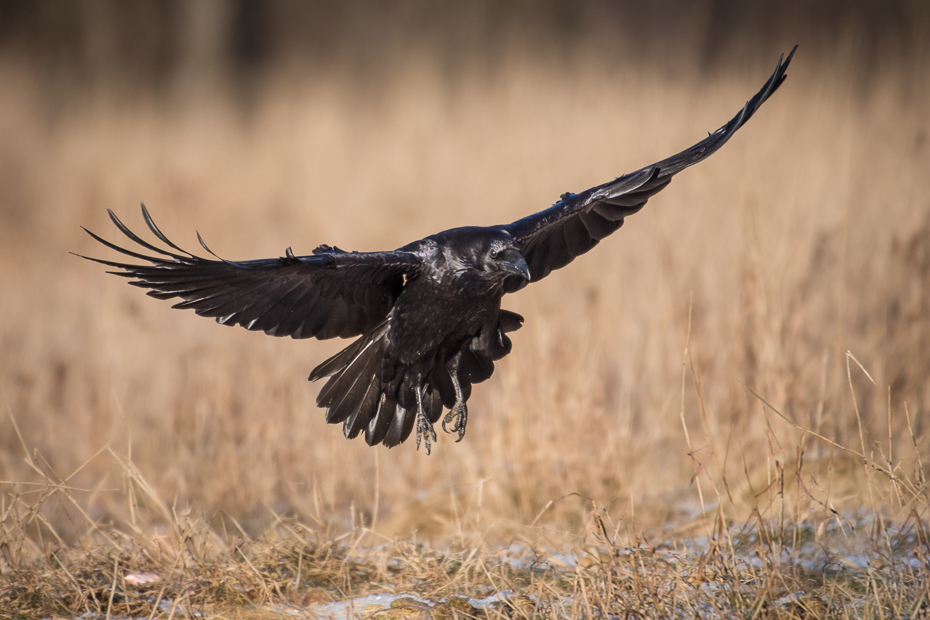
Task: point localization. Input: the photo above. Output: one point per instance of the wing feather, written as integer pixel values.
(597, 226)
(553, 237)
(329, 293)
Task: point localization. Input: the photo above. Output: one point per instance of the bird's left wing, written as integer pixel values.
(552, 238)
(329, 293)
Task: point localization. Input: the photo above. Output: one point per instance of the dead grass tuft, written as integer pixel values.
(773, 565)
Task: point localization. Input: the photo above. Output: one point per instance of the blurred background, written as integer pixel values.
(794, 264)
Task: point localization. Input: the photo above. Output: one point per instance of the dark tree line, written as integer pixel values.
(158, 45)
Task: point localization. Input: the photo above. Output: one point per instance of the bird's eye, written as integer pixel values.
(495, 253)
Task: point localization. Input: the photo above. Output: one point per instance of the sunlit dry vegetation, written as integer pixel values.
(746, 364)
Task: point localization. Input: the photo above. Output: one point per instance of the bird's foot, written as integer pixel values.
(458, 417)
(425, 431)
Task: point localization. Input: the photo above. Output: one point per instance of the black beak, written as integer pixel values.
(514, 264)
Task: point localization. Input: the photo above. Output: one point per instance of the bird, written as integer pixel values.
(427, 316)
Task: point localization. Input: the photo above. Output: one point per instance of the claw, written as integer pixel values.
(425, 430)
(458, 417)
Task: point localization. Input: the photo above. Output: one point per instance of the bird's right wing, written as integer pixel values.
(329, 293)
(552, 238)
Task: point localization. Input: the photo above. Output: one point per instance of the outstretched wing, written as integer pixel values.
(330, 293)
(552, 238)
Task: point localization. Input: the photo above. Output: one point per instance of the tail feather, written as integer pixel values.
(344, 358)
(345, 392)
(368, 390)
(406, 393)
(364, 411)
(432, 402)
(345, 395)
(357, 395)
(441, 381)
(380, 421)
(400, 427)
(351, 394)
(352, 409)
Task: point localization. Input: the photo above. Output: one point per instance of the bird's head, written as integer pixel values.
(502, 258)
(485, 255)
(493, 256)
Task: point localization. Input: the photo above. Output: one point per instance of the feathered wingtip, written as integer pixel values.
(183, 257)
(151, 224)
(170, 257)
(671, 166)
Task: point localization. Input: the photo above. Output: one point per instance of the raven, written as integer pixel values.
(428, 314)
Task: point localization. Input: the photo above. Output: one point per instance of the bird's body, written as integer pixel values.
(442, 334)
(428, 315)
(427, 312)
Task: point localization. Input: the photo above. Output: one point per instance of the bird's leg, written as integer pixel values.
(425, 430)
(458, 415)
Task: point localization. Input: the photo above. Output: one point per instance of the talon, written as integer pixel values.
(459, 412)
(425, 430)
(458, 417)
(460, 423)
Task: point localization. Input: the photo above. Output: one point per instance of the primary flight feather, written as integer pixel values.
(428, 314)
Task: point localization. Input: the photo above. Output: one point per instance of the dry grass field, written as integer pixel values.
(792, 268)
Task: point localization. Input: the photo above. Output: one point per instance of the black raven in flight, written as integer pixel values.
(429, 313)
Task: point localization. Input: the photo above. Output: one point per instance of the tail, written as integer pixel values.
(368, 390)
(364, 393)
